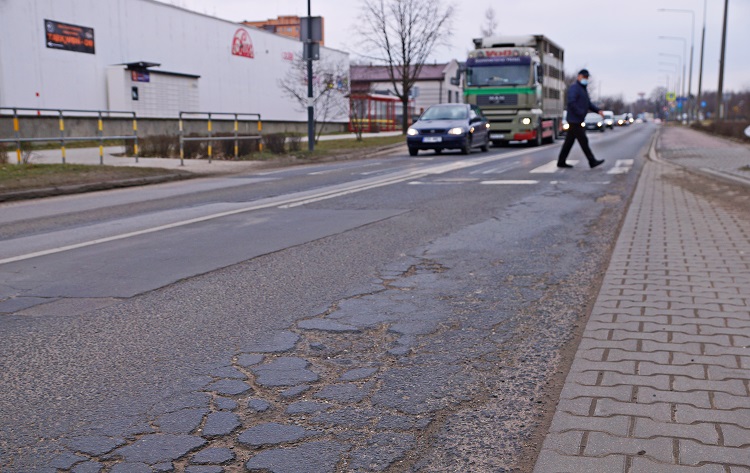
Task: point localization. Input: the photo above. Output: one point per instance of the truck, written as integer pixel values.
(517, 82)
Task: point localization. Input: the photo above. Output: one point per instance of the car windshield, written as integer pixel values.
(593, 117)
(498, 75)
(445, 113)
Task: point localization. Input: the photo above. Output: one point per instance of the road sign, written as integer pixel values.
(671, 96)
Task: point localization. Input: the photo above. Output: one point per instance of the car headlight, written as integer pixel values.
(456, 131)
(565, 126)
(583, 125)
(526, 121)
(412, 132)
(598, 123)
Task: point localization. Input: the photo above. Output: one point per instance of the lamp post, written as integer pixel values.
(692, 44)
(684, 53)
(310, 109)
(681, 79)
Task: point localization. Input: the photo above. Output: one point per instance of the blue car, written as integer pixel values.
(449, 126)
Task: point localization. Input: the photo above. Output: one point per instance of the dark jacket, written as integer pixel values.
(579, 103)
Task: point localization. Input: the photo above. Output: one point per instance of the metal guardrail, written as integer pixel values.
(210, 138)
(60, 113)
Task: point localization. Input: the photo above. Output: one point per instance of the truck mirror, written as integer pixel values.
(540, 73)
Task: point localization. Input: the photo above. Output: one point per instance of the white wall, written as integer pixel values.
(141, 30)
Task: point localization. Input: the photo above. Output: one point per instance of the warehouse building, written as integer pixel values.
(145, 56)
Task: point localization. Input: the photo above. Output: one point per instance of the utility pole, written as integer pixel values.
(310, 109)
(720, 93)
(700, 72)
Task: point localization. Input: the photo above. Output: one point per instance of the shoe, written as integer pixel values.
(564, 165)
(596, 163)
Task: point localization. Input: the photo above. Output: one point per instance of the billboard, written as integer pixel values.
(69, 37)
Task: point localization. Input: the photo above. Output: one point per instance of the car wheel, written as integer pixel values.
(466, 148)
(413, 151)
(438, 150)
(602, 129)
(485, 147)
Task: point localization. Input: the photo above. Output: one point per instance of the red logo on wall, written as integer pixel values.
(242, 45)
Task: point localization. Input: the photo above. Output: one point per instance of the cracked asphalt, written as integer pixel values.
(433, 340)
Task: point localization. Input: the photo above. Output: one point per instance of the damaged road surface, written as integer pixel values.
(397, 314)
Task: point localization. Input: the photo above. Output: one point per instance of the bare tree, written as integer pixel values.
(490, 27)
(402, 34)
(330, 90)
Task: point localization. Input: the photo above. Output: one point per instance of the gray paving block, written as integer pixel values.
(552, 462)
(702, 432)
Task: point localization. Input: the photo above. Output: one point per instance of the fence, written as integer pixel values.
(101, 116)
(210, 138)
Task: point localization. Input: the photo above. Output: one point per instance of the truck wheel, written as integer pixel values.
(413, 151)
(538, 140)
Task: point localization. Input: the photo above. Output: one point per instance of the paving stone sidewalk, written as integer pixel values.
(661, 379)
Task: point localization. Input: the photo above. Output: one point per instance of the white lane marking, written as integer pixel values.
(551, 167)
(293, 201)
(511, 182)
(622, 166)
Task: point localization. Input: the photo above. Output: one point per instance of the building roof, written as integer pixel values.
(380, 73)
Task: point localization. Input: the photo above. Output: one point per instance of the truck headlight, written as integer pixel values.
(412, 132)
(456, 131)
(526, 121)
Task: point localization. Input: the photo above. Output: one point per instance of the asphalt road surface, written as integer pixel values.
(393, 314)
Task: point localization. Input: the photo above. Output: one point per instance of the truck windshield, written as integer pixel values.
(498, 75)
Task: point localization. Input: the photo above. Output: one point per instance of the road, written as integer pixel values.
(392, 314)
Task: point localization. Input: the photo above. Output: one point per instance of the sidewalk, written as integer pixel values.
(661, 379)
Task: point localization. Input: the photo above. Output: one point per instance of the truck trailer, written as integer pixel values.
(518, 83)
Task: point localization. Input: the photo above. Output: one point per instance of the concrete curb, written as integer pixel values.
(98, 186)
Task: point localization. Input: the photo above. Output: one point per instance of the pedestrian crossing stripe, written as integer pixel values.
(509, 181)
(621, 166)
(551, 167)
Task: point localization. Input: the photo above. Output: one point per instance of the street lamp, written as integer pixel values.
(692, 42)
(684, 53)
(679, 61)
(700, 71)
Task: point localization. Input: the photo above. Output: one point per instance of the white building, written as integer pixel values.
(144, 56)
(433, 85)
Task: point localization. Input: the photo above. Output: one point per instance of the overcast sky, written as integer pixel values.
(618, 41)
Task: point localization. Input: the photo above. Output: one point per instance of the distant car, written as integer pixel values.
(629, 117)
(609, 119)
(449, 126)
(594, 121)
(622, 120)
(565, 125)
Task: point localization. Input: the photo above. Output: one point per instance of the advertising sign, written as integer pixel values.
(242, 45)
(69, 37)
(140, 76)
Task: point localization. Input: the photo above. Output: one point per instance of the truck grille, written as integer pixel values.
(497, 99)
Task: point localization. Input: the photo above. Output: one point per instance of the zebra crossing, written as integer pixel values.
(482, 176)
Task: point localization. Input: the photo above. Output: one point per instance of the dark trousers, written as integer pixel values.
(575, 132)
